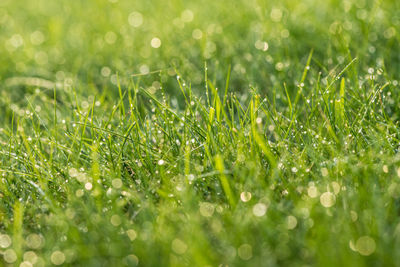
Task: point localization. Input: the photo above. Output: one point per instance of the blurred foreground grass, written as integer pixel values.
(199, 133)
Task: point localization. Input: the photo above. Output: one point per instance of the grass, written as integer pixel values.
(199, 133)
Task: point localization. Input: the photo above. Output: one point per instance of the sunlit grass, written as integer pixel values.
(199, 133)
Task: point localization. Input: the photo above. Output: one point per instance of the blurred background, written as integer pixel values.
(266, 43)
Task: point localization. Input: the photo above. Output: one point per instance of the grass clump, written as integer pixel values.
(199, 134)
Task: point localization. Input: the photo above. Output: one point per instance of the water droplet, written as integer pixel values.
(206, 209)
(10, 256)
(245, 196)
(115, 220)
(135, 19)
(131, 234)
(365, 245)
(117, 183)
(245, 252)
(291, 222)
(178, 246)
(327, 199)
(88, 186)
(155, 42)
(57, 257)
(259, 209)
(312, 191)
(5, 241)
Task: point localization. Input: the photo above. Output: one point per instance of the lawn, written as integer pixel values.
(199, 133)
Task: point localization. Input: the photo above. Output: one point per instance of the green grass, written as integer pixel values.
(199, 133)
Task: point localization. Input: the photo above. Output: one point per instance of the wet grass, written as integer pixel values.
(207, 133)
